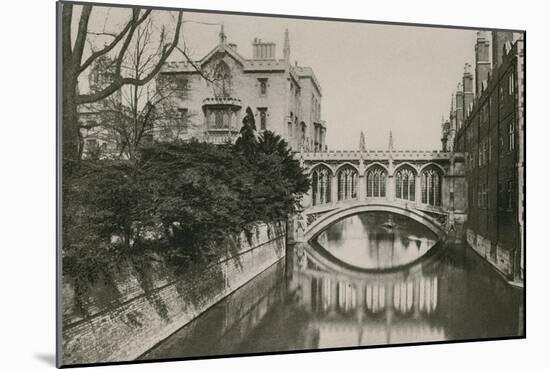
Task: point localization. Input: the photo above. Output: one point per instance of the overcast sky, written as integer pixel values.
(375, 78)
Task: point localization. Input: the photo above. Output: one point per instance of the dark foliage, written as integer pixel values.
(183, 201)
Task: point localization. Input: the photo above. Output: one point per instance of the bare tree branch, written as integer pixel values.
(119, 80)
(114, 42)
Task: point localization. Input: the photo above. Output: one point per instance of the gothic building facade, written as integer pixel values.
(487, 124)
(284, 97)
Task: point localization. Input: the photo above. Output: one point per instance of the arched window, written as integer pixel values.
(404, 184)
(347, 183)
(222, 80)
(320, 185)
(376, 182)
(431, 187)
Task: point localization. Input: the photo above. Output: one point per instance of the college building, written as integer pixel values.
(487, 124)
(207, 100)
(285, 98)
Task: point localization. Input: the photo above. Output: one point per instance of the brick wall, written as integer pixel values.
(123, 316)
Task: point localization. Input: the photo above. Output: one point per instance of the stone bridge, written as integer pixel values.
(427, 186)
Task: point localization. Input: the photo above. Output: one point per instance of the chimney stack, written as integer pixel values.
(263, 50)
(468, 89)
(483, 65)
(499, 39)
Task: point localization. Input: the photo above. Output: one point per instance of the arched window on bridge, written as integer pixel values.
(404, 184)
(320, 185)
(431, 186)
(347, 183)
(376, 182)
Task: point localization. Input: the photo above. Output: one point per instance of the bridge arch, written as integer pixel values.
(333, 216)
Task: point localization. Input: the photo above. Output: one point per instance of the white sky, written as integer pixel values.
(374, 78)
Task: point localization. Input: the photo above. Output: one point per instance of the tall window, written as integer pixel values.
(431, 187)
(303, 133)
(263, 117)
(217, 118)
(511, 135)
(404, 184)
(290, 129)
(222, 80)
(320, 185)
(263, 86)
(482, 196)
(347, 183)
(376, 182)
(511, 83)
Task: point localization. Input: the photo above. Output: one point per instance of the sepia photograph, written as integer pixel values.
(238, 184)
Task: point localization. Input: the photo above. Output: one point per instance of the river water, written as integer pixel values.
(368, 280)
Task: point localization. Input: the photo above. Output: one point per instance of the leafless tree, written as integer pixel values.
(136, 114)
(76, 59)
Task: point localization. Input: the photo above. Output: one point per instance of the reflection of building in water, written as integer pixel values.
(355, 308)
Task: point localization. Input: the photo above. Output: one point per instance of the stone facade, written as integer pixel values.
(487, 125)
(121, 319)
(284, 98)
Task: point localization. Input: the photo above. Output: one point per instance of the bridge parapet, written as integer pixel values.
(377, 155)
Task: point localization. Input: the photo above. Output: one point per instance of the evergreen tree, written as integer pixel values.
(247, 143)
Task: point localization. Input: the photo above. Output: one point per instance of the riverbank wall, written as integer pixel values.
(500, 258)
(125, 314)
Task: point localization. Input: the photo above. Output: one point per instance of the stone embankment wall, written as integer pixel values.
(501, 258)
(125, 315)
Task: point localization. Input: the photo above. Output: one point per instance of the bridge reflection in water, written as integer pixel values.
(325, 294)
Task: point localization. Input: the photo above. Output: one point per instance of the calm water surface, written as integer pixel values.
(370, 279)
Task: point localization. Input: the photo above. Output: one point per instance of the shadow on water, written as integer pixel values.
(322, 296)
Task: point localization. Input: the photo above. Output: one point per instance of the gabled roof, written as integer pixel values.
(249, 65)
(221, 48)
